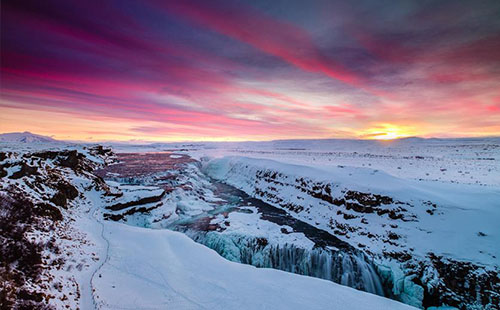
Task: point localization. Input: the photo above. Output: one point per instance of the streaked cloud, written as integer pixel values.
(225, 70)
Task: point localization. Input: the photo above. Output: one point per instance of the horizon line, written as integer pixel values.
(146, 142)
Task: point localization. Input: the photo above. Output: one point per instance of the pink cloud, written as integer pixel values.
(278, 38)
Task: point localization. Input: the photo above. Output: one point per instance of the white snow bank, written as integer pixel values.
(158, 269)
(361, 178)
(252, 225)
(133, 193)
(463, 226)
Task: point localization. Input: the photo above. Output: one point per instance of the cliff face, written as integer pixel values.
(403, 225)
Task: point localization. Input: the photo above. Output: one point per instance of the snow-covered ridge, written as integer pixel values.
(25, 137)
(43, 196)
(420, 226)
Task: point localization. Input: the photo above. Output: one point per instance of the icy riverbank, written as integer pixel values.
(154, 269)
(429, 232)
(91, 263)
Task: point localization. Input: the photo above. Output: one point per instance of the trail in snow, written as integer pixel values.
(158, 269)
(103, 261)
(94, 226)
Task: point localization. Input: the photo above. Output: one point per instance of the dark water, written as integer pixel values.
(331, 258)
(279, 216)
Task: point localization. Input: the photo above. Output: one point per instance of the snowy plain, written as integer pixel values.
(127, 267)
(466, 160)
(148, 268)
(445, 194)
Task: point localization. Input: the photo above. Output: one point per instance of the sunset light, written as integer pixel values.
(387, 131)
(388, 136)
(190, 70)
(250, 154)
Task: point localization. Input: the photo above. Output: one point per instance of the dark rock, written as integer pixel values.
(118, 217)
(21, 255)
(113, 217)
(368, 199)
(26, 295)
(100, 150)
(395, 216)
(262, 242)
(65, 192)
(48, 210)
(24, 171)
(393, 236)
(71, 159)
(67, 189)
(142, 201)
(461, 285)
(349, 216)
(399, 256)
(292, 207)
(45, 154)
(358, 207)
(3, 172)
(60, 199)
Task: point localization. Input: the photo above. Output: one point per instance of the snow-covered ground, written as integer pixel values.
(467, 160)
(465, 214)
(100, 264)
(408, 207)
(158, 269)
(427, 208)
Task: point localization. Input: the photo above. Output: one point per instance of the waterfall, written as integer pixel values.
(351, 268)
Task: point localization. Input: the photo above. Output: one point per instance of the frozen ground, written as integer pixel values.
(470, 161)
(99, 264)
(427, 209)
(158, 269)
(410, 205)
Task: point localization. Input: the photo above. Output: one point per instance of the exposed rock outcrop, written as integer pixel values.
(33, 221)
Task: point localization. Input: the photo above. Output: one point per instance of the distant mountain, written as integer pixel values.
(25, 137)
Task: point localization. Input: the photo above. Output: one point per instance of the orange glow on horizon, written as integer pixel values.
(62, 125)
(388, 132)
(224, 72)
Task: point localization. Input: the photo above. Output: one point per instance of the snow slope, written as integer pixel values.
(158, 269)
(428, 238)
(56, 187)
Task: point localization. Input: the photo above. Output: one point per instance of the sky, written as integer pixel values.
(160, 70)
